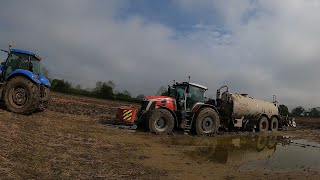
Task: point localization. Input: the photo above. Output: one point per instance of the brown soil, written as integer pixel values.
(69, 141)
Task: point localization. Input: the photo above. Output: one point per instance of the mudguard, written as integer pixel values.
(26, 73)
(44, 81)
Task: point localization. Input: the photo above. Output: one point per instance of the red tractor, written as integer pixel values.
(185, 107)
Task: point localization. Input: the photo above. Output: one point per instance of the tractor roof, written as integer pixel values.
(192, 84)
(198, 85)
(25, 52)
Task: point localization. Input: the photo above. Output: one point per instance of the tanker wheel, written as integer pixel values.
(21, 96)
(160, 121)
(274, 124)
(207, 122)
(263, 124)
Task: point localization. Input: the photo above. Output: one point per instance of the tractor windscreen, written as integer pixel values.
(196, 93)
(37, 67)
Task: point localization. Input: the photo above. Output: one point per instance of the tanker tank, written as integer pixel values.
(243, 106)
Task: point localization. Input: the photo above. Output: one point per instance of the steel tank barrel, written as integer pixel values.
(242, 106)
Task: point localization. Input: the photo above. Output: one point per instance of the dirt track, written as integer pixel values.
(70, 141)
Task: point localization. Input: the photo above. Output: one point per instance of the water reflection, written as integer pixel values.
(251, 151)
(226, 149)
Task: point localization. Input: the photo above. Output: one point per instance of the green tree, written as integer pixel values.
(61, 86)
(298, 111)
(124, 96)
(111, 84)
(126, 92)
(314, 112)
(284, 111)
(103, 90)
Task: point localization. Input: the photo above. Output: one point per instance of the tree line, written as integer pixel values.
(106, 90)
(103, 90)
(300, 111)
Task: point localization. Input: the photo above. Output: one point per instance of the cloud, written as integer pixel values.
(254, 46)
(274, 39)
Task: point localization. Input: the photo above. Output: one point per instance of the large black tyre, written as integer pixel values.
(160, 121)
(263, 124)
(21, 95)
(274, 124)
(207, 122)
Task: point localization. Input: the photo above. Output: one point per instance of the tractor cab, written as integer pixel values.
(20, 59)
(187, 95)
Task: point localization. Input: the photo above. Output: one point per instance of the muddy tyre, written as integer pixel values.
(21, 95)
(207, 122)
(263, 124)
(160, 121)
(274, 124)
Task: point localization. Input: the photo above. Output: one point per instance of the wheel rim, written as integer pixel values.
(19, 96)
(207, 124)
(161, 124)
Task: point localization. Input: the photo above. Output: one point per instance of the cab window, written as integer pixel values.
(196, 94)
(16, 61)
(180, 91)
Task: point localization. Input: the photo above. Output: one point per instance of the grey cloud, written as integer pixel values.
(272, 53)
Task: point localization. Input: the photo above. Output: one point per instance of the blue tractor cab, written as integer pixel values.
(24, 86)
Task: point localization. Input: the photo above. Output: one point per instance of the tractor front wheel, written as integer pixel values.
(160, 121)
(21, 95)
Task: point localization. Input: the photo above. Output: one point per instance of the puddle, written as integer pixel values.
(298, 155)
(250, 151)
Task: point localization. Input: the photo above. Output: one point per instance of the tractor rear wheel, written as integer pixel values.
(263, 124)
(274, 124)
(160, 121)
(21, 95)
(207, 122)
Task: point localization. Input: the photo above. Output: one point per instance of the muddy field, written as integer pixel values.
(71, 140)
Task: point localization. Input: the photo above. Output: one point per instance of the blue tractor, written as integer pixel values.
(24, 88)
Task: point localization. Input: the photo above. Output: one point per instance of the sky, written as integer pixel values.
(257, 47)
